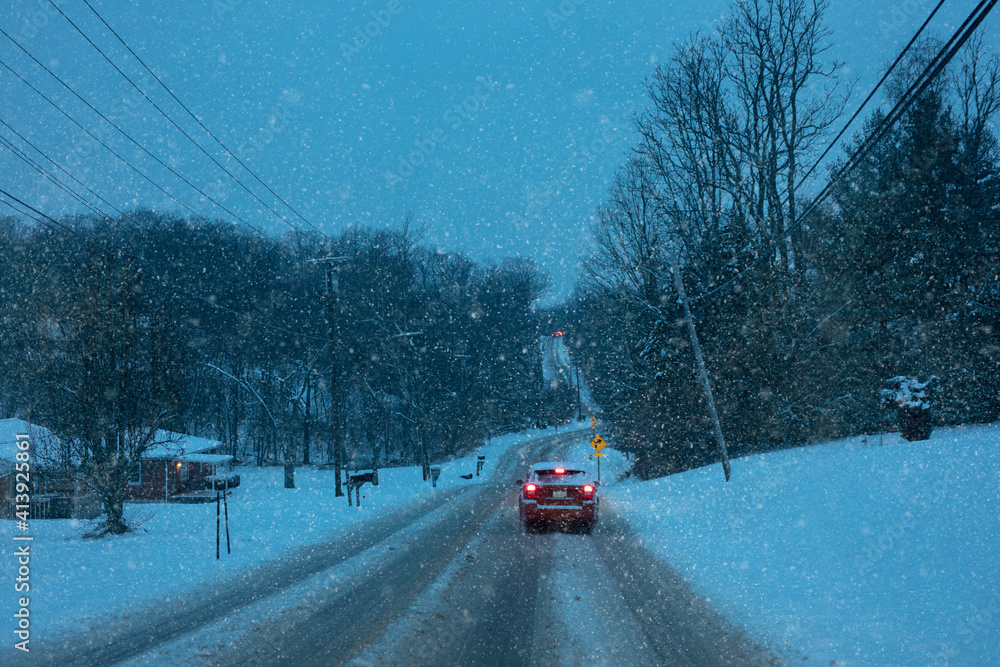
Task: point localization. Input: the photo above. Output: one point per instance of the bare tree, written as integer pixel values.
(107, 396)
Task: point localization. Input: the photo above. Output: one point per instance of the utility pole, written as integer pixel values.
(306, 444)
(579, 404)
(410, 352)
(682, 294)
(332, 293)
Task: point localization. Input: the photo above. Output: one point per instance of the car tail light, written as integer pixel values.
(588, 492)
(529, 491)
(560, 471)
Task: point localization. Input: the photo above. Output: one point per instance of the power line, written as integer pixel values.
(930, 72)
(24, 157)
(58, 166)
(54, 224)
(935, 67)
(50, 222)
(128, 136)
(874, 90)
(99, 141)
(171, 120)
(198, 121)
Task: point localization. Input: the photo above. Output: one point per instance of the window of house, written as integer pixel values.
(135, 473)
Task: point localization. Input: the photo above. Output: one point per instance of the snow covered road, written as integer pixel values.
(451, 581)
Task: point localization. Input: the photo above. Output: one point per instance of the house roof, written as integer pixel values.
(171, 445)
(206, 458)
(168, 444)
(11, 428)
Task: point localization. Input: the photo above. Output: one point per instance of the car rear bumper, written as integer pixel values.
(531, 511)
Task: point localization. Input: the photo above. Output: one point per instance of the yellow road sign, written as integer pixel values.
(593, 422)
(597, 454)
(598, 443)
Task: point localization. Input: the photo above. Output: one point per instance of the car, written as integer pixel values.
(558, 492)
(557, 334)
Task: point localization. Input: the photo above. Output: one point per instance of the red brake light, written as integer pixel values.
(560, 471)
(588, 492)
(529, 491)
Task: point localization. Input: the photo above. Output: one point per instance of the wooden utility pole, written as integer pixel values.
(306, 444)
(332, 293)
(579, 403)
(682, 294)
(410, 353)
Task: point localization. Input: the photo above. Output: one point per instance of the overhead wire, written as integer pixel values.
(60, 167)
(24, 157)
(930, 72)
(99, 141)
(169, 118)
(51, 223)
(54, 224)
(199, 122)
(128, 136)
(885, 77)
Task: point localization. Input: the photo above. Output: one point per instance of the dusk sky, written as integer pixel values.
(498, 124)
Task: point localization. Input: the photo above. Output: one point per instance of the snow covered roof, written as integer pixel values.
(170, 445)
(205, 458)
(11, 428)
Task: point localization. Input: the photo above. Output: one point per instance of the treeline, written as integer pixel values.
(802, 321)
(115, 325)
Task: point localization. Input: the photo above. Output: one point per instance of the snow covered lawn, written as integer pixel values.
(75, 582)
(845, 553)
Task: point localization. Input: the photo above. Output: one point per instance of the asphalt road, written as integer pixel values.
(452, 581)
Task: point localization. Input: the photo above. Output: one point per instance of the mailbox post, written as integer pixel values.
(355, 480)
(480, 462)
(435, 473)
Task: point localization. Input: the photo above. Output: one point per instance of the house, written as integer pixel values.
(177, 468)
(54, 493)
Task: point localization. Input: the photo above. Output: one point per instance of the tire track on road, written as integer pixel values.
(156, 625)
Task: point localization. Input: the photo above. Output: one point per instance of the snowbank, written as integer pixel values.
(848, 553)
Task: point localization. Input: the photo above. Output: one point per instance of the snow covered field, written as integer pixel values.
(847, 553)
(78, 583)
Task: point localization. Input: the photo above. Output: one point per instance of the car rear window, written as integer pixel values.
(551, 476)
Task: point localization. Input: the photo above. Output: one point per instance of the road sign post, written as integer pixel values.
(598, 444)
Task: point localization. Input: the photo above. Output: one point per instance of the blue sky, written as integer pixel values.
(499, 124)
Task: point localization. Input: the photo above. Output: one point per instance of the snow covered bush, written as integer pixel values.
(911, 398)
